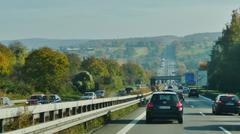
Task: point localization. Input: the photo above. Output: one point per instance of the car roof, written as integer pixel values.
(160, 92)
(38, 95)
(226, 95)
(99, 91)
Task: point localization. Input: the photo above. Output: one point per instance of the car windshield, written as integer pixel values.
(88, 94)
(100, 91)
(36, 97)
(52, 97)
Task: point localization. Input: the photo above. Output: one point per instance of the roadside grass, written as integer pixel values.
(22, 121)
(92, 125)
(141, 91)
(13, 96)
(71, 97)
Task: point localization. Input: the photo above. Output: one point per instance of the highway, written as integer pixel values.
(198, 119)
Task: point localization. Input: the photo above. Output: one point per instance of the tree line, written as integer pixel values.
(46, 70)
(224, 67)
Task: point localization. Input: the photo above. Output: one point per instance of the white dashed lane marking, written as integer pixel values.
(225, 130)
(202, 114)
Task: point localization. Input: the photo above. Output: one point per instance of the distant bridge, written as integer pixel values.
(164, 79)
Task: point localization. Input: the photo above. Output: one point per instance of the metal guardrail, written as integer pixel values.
(66, 114)
(19, 101)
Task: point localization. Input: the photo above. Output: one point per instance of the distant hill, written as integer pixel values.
(34, 43)
(146, 51)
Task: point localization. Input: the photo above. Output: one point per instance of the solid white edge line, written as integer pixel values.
(131, 124)
(225, 130)
(202, 113)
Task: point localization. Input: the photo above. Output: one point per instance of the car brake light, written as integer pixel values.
(238, 102)
(219, 102)
(149, 105)
(179, 106)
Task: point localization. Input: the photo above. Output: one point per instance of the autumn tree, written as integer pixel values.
(74, 63)
(114, 80)
(133, 73)
(19, 51)
(46, 69)
(223, 69)
(7, 60)
(83, 81)
(95, 67)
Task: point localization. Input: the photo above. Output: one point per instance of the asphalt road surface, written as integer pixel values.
(198, 119)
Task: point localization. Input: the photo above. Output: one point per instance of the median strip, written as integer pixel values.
(225, 130)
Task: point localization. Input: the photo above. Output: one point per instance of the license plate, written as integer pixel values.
(164, 107)
(229, 104)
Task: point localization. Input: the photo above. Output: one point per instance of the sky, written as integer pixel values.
(107, 19)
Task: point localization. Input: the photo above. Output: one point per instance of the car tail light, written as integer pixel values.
(179, 106)
(220, 102)
(238, 102)
(149, 105)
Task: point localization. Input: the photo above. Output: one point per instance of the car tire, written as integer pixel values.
(180, 120)
(239, 114)
(213, 111)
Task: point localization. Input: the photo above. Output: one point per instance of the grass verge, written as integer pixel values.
(91, 125)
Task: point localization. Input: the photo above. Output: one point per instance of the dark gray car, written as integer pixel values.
(164, 105)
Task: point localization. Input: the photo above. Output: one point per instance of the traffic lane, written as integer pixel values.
(141, 127)
(229, 122)
(197, 120)
(194, 122)
(115, 126)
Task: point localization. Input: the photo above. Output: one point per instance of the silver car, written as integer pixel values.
(5, 102)
(88, 96)
(100, 93)
(54, 98)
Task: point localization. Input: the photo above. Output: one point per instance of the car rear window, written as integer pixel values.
(193, 90)
(88, 94)
(157, 98)
(52, 97)
(36, 97)
(229, 98)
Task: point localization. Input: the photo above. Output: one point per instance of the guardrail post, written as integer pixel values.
(42, 117)
(1, 126)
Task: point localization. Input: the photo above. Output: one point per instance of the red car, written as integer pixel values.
(37, 99)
